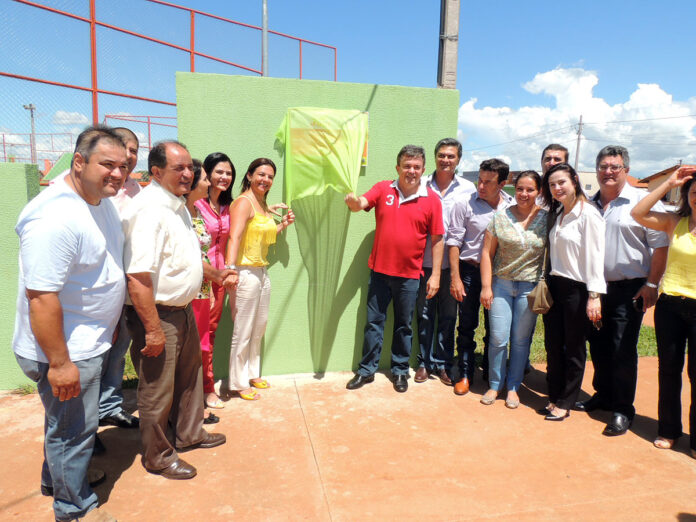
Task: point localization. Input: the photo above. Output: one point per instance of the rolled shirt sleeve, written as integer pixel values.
(456, 229)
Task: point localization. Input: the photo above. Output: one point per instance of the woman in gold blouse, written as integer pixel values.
(252, 230)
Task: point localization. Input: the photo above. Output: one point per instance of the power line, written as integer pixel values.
(641, 119)
(544, 133)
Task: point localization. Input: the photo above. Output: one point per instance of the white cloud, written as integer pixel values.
(70, 118)
(519, 135)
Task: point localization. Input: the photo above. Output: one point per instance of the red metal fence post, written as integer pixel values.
(300, 58)
(193, 41)
(93, 56)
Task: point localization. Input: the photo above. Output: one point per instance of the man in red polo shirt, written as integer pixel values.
(406, 212)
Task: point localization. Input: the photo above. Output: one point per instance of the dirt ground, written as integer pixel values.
(311, 450)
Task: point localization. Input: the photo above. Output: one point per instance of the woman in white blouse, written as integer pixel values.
(576, 247)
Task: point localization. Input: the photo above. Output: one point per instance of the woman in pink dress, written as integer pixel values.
(216, 214)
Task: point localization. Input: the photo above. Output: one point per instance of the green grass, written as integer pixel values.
(25, 389)
(130, 377)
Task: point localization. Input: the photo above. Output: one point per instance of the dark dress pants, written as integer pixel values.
(465, 363)
(170, 386)
(436, 354)
(566, 326)
(613, 347)
(675, 326)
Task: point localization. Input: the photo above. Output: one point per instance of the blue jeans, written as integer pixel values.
(438, 355)
(510, 320)
(382, 289)
(69, 429)
(111, 394)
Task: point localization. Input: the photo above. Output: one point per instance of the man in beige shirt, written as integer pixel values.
(162, 260)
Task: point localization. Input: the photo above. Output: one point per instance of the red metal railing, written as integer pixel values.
(9, 146)
(191, 50)
(147, 120)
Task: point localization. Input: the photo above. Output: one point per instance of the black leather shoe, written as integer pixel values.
(618, 426)
(99, 448)
(590, 405)
(177, 470)
(401, 383)
(122, 419)
(359, 380)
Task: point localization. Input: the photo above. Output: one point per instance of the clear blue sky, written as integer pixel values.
(612, 46)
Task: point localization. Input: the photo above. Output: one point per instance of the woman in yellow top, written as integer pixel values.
(252, 230)
(675, 311)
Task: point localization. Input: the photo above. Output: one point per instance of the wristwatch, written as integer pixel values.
(231, 267)
(593, 295)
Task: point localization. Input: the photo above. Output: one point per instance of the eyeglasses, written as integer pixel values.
(611, 168)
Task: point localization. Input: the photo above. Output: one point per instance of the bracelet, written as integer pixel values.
(651, 285)
(231, 267)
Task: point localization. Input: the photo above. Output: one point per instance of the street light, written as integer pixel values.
(32, 138)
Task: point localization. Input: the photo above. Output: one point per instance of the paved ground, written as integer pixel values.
(310, 450)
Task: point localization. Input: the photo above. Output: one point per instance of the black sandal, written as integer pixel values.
(211, 419)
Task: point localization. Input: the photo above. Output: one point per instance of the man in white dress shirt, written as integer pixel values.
(435, 355)
(634, 261)
(162, 260)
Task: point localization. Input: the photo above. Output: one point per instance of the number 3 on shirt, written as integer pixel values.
(390, 199)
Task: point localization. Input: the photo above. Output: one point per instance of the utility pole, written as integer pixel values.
(449, 40)
(577, 147)
(264, 39)
(32, 137)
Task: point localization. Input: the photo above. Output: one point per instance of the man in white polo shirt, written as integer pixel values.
(162, 260)
(71, 290)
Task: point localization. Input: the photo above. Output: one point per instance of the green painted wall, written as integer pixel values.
(319, 267)
(21, 184)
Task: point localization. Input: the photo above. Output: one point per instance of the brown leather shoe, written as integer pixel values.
(444, 378)
(212, 440)
(421, 375)
(462, 387)
(177, 470)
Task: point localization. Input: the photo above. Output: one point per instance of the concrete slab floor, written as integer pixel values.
(311, 450)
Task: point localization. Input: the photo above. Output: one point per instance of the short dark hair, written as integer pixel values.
(684, 209)
(127, 135)
(258, 162)
(546, 189)
(89, 138)
(410, 151)
(158, 154)
(209, 164)
(614, 150)
(449, 142)
(531, 174)
(555, 146)
(498, 166)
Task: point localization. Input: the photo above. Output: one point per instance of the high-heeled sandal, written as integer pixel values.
(663, 443)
